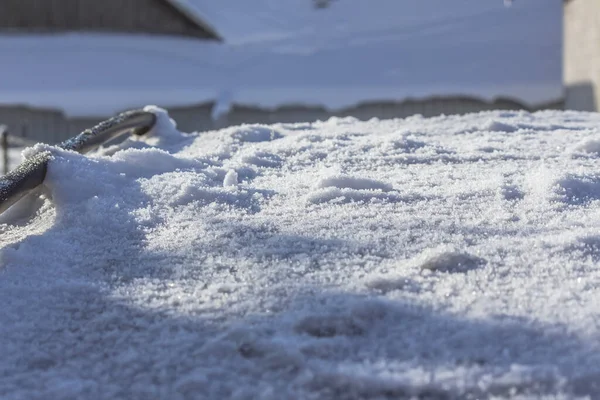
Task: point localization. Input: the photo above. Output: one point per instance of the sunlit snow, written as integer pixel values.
(444, 258)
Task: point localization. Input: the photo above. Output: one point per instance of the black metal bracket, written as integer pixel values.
(32, 172)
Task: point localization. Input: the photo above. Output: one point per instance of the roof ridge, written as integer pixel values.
(190, 12)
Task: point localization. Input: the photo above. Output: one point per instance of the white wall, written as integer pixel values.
(582, 54)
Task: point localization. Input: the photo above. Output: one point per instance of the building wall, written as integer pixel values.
(44, 125)
(126, 16)
(52, 126)
(582, 54)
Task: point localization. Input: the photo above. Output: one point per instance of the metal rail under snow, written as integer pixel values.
(31, 173)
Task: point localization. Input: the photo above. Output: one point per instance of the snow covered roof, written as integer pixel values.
(353, 52)
(452, 257)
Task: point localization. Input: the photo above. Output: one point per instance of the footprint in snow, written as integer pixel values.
(356, 321)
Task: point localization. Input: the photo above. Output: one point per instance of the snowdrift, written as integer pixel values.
(441, 258)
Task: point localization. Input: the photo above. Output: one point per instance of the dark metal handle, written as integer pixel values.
(31, 173)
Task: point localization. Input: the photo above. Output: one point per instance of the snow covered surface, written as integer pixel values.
(287, 52)
(442, 258)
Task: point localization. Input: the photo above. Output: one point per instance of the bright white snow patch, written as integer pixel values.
(450, 257)
(231, 179)
(354, 183)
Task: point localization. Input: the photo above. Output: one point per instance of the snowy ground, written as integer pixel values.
(442, 258)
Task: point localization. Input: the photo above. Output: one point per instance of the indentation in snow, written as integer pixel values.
(329, 326)
(511, 192)
(355, 322)
(272, 353)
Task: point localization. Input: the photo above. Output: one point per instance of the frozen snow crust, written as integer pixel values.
(451, 257)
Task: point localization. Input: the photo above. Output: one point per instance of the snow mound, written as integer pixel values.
(497, 126)
(590, 146)
(333, 259)
(444, 260)
(231, 179)
(578, 189)
(345, 189)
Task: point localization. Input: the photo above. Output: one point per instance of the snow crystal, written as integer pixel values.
(377, 259)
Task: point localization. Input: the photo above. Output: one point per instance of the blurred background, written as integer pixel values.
(68, 64)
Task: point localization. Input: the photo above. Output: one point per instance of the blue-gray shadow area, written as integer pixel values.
(337, 345)
(87, 342)
(84, 334)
